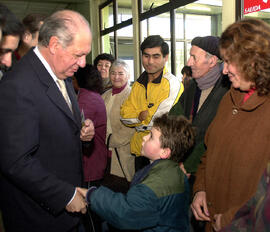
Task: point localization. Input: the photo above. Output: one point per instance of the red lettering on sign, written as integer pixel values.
(251, 6)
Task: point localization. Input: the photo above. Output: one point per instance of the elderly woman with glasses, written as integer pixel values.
(118, 135)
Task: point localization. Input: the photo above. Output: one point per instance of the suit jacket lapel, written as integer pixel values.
(52, 90)
(74, 102)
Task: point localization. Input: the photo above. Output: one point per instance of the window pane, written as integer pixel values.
(160, 25)
(210, 2)
(112, 45)
(179, 26)
(264, 15)
(168, 64)
(150, 4)
(124, 10)
(202, 23)
(152, 26)
(200, 18)
(125, 48)
(211, 9)
(144, 28)
(126, 31)
(188, 50)
(179, 58)
(130, 62)
(121, 17)
(107, 16)
(107, 44)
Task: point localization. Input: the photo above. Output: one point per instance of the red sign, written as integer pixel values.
(251, 6)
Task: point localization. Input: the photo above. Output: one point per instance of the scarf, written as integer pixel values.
(210, 78)
(248, 94)
(118, 90)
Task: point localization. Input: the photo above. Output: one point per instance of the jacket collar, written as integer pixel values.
(143, 79)
(252, 103)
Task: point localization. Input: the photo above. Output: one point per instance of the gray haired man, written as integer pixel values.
(42, 131)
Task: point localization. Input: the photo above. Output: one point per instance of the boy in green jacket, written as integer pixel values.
(158, 199)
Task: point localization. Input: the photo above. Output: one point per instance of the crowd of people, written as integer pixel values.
(83, 150)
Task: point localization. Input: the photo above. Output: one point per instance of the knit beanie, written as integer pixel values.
(208, 44)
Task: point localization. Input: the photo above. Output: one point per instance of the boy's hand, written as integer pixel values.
(86, 193)
(217, 222)
(82, 191)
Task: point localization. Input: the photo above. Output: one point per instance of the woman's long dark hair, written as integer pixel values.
(89, 78)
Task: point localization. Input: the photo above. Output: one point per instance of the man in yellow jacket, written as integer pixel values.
(154, 93)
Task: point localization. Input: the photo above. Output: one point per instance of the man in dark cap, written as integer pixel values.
(201, 97)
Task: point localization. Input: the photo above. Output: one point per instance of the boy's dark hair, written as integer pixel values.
(89, 78)
(11, 25)
(177, 134)
(32, 22)
(153, 41)
(103, 56)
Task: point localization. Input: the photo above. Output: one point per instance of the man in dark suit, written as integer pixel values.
(41, 130)
(200, 99)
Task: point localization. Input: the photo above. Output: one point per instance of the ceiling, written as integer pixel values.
(23, 7)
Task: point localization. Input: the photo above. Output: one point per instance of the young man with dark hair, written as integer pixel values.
(158, 199)
(154, 93)
(12, 31)
(155, 41)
